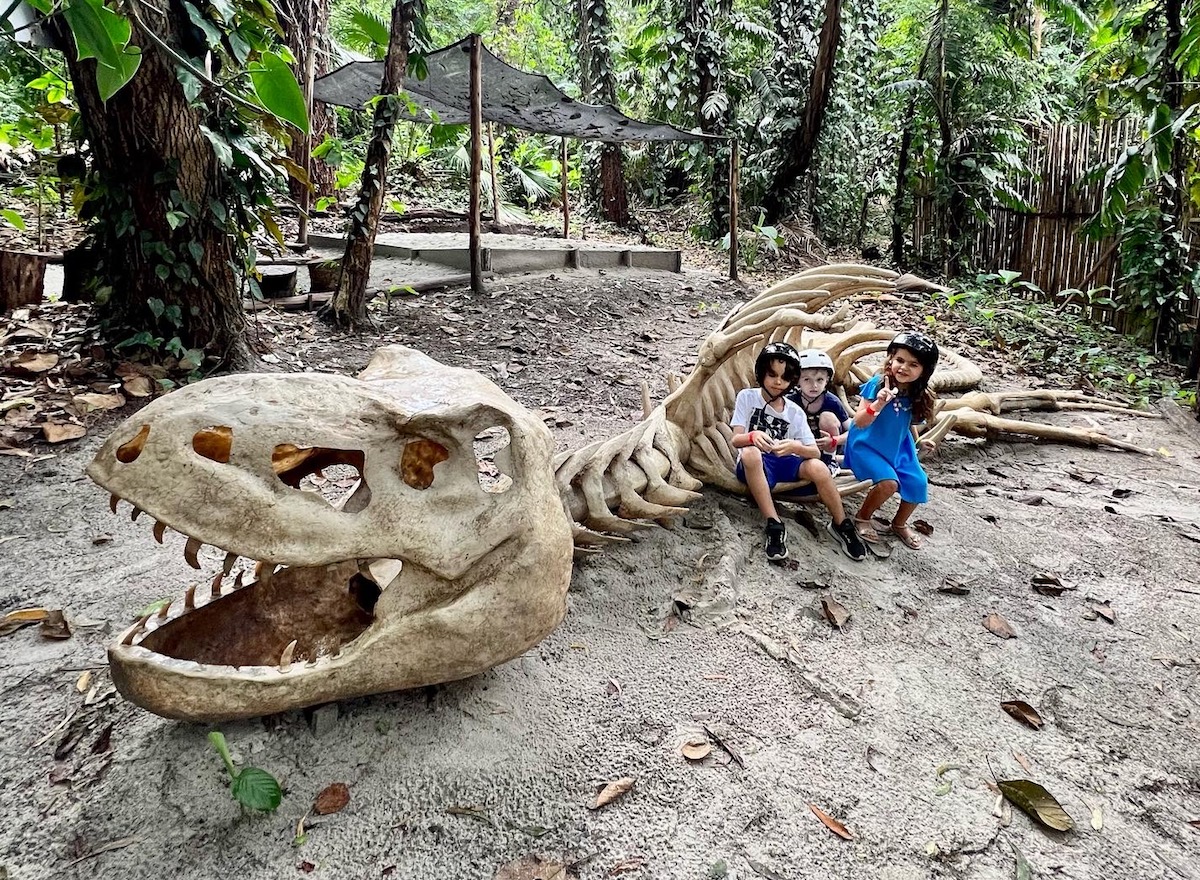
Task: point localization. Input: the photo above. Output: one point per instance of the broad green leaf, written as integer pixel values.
(13, 219)
(1024, 872)
(256, 789)
(220, 146)
(278, 90)
(1038, 803)
(99, 32)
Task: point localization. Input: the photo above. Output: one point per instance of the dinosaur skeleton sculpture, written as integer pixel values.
(429, 570)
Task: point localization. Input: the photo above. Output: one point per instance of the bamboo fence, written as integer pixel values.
(1046, 245)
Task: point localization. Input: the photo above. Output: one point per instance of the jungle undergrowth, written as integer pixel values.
(1017, 319)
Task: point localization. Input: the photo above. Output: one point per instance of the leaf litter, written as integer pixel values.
(1023, 712)
(998, 626)
(831, 823)
(613, 790)
(1036, 802)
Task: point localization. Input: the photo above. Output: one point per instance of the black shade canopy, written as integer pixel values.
(510, 97)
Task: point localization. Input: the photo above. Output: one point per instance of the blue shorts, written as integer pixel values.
(777, 468)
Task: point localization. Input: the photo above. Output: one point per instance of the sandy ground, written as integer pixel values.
(892, 724)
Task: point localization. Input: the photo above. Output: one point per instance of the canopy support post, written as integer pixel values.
(306, 195)
(566, 207)
(492, 171)
(733, 209)
(476, 90)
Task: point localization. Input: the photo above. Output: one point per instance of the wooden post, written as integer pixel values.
(476, 160)
(492, 170)
(733, 209)
(22, 276)
(565, 203)
(306, 195)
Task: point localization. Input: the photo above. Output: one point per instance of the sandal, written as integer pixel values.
(907, 535)
(866, 531)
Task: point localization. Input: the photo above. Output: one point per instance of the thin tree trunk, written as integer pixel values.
(146, 147)
(306, 31)
(348, 307)
(802, 143)
(1172, 275)
(596, 77)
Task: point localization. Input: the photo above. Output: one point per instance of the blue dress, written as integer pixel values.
(885, 449)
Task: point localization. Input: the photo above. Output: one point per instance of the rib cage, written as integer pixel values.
(652, 472)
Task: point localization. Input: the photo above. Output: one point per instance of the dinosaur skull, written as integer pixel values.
(427, 571)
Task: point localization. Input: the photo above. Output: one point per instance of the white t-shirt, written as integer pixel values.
(751, 412)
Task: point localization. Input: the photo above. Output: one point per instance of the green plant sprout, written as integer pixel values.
(252, 788)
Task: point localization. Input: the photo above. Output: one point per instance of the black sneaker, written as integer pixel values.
(776, 541)
(848, 539)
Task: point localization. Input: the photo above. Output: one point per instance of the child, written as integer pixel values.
(827, 418)
(880, 446)
(775, 445)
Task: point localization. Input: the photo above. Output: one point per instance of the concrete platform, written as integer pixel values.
(506, 254)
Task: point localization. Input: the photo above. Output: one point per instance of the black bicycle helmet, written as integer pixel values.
(919, 344)
(777, 351)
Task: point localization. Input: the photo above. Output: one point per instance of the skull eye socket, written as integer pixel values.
(418, 460)
(336, 474)
(214, 442)
(129, 451)
(493, 448)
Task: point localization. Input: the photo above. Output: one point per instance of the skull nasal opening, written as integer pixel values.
(336, 475)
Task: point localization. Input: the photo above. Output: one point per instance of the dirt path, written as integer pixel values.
(889, 724)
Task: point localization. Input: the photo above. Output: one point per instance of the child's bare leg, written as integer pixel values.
(900, 527)
(756, 482)
(880, 492)
(815, 471)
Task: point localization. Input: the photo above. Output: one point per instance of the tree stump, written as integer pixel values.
(21, 277)
(277, 281)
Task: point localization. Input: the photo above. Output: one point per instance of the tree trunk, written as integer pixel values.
(1172, 274)
(348, 308)
(802, 143)
(596, 78)
(306, 28)
(149, 158)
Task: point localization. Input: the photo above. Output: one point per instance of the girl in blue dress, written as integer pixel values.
(881, 444)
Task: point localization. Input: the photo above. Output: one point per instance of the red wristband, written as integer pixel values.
(872, 410)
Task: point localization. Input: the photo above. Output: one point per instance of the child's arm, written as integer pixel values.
(868, 410)
(760, 439)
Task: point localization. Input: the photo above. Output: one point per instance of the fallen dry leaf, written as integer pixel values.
(84, 682)
(1048, 585)
(1195, 823)
(835, 612)
(332, 799)
(34, 362)
(696, 750)
(1102, 609)
(532, 868)
(625, 865)
(613, 790)
(55, 626)
(923, 527)
(1023, 712)
(954, 586)
(998, 626)
(26, 615)
(92, 401)
(831, 823)
(138, 386)
(1023, 761)
(59, 432)
(1035, 801)
(1098, 817)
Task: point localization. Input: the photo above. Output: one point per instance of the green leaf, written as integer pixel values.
(13, 219)
(278, 90)
(256, 789)
(1038, 803)
(102, 34)
(191, 359)
(220, 146)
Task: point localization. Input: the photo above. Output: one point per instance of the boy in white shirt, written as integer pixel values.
(775, 445)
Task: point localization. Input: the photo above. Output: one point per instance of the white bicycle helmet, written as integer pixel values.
(815, 359)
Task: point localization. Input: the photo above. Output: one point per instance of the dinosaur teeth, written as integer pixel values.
(135, 513)
(189, 599)
(112, 502)
(263, 572)
(285, 659)
(237, 581)
(130, 633)
(230, 559)
(190, 550)
(159, 529)
(162, 612)
(216, 586)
